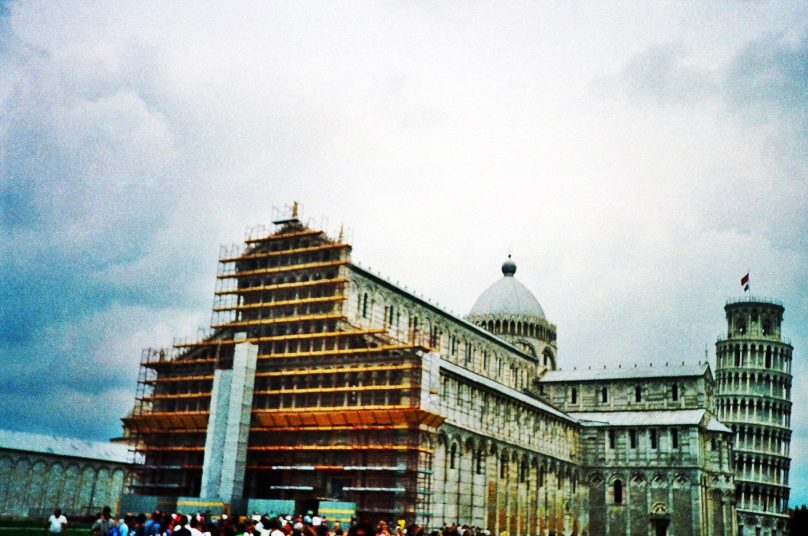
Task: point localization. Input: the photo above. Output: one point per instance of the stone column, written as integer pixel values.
(439, 484)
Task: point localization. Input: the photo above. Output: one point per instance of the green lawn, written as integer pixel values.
(29, 529)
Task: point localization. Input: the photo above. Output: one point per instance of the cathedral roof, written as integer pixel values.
(507, 297)
(64, 446)
(497, 387)
(626, 373)
(366, 272)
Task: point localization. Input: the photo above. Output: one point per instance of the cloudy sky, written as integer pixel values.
(636, 159)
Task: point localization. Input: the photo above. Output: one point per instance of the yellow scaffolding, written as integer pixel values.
(291, 337)
(282, 320)
(281, 269)
(385, 424)
(283, 236)
(282, 286)
(179, 362)
(334, 370)
(268, 305)
(341, 389)
(168, 420)
(347, 416)
(173, 396)
(178, 431)
(346, 351)
(172, 448)
(272, 448)
(171, 379)
(278, 253)
(356, 427)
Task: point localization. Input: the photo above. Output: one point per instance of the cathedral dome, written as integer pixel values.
(507, 297)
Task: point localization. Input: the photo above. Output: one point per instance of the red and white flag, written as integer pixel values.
(745, 282)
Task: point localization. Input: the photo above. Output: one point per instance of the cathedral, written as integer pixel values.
(321, 383)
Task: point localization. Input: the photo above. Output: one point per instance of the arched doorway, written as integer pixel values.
(660, 519)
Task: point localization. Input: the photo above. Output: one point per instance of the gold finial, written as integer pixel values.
(294, 209)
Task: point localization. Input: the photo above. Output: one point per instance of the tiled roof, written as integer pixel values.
(683, 417)
(64, 446)
(625, 373)
(714, 425)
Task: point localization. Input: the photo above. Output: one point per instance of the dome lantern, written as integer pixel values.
(508, 267)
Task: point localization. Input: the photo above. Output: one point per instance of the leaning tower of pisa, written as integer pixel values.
(753, 377)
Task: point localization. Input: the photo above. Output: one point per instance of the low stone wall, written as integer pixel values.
(33, 484)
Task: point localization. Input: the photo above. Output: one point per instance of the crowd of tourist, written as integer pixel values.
(203, 524)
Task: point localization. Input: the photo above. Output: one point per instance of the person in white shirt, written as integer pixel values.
(275, 527)
(260, 527)
(57, 522)
(193, 526)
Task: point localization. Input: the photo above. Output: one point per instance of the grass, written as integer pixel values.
(30, 528)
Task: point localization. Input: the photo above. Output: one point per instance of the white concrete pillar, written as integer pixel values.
(225, 458)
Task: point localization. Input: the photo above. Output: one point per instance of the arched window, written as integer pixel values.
(675, 392)
(618, 492)
(365, 305)
(453, 457)
(604, 395)
(638, 393)
(549, 360)
(574, 396)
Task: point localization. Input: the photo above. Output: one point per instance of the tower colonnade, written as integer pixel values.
(753, 381)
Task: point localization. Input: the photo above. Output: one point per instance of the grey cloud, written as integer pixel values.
(767, 76)
(659, 76)
(769, 79)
